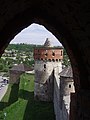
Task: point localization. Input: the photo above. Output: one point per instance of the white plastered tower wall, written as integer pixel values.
(47, 65)
(44, 79)
(66, 88)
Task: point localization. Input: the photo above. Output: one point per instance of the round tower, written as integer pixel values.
(67, 83)
(66, 87)
(47, 58)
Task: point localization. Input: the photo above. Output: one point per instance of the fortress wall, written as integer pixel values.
(56, 100)
(15, 76)
(44, 79)
(59, 105)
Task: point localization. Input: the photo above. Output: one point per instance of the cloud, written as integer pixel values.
(35, 34)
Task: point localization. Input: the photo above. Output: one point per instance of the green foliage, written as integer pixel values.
(66, 60)
(5, 69)
(1, 67)
(21, 47)
(24, 107)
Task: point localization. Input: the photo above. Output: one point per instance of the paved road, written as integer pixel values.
(3, 89)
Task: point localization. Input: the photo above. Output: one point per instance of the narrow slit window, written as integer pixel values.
(44, 65)
(53, 60)
(61, 53)
(69, 86)
(53, 54)
(57, 60)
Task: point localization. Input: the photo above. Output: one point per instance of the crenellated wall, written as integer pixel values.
(50, 54)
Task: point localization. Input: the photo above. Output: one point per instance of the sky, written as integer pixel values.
(35, 34)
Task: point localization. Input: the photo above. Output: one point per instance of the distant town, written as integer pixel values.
(21, 53)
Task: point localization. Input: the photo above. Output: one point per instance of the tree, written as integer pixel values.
(66, 60)
(1, 66)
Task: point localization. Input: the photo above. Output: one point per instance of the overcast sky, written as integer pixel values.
(35, 34)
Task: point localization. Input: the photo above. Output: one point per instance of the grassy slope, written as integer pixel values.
(24, 107)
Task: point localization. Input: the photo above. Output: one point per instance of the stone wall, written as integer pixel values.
(15, 76)
(56, 100)
(44, 79)
(60, 109)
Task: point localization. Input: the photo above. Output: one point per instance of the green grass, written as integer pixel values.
(6, 97)
(19, 104)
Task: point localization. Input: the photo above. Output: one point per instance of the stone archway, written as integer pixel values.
(67, 20)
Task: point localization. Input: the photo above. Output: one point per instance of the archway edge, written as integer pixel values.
(54, 24)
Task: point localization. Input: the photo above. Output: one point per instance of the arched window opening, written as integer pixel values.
(45, 91)
(61, 53)
(44, 65)
(69, 85)
(57, 60)
(53, 60)
(46, 54)
(53, 54)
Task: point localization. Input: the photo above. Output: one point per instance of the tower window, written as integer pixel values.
(45, 91)
(46, 54)
(57, 60)
(69, 86)
(53, 60)
(44, 65)
(61, 53)
(53, 54)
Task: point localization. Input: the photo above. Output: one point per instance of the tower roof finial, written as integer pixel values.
(48, 43)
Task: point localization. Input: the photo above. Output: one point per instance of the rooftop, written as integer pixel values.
(67, 72)
(21, 67)
(48, 43)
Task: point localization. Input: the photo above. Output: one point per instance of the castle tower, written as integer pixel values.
(47, 59)
(66, 88)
